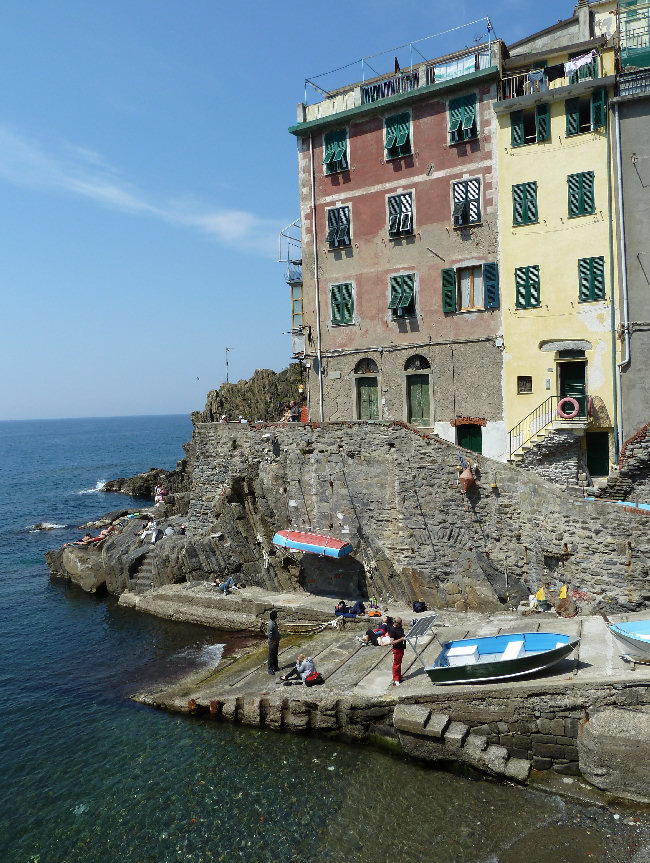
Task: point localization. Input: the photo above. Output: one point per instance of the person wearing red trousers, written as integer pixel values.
(398, 643)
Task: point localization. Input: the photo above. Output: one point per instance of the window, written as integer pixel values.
(467, 202)
(589, 70)
(400, 215)
(586, 114)
(398, 136)
(524, 384)
(591, 279)
(524, 203)
(402, 295)
(529, 127)
(338, 227)
(581, 193)
(462, 119)
(466, 288)
(342, 301)
(527, 287)
(336, 151)
(296, 306)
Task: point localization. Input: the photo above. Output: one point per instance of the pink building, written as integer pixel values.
(399, 302)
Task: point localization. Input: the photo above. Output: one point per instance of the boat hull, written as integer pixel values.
(313, 543)
(634, 636)
(499, 669)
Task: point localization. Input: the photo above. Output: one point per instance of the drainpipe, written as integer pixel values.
(612, 302)
(316, 284)
(623, 266)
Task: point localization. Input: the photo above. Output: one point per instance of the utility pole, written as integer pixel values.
(227, 350)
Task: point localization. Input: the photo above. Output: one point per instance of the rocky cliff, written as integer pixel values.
(394, 493)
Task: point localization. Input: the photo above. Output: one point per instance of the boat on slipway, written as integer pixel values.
(313, 543)
(498, 657)
(634, 635)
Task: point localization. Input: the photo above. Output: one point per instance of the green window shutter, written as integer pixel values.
(516, 128)
(403, 129)
(598, 109)
(408, 289)
(572, 111)
(518, 195)
(448, 290)
(491, 285)
(335, 292)
(584, 280)
(533, 282)
(455, 116)
(521, 287)
(543, 122)
(469, 112)
(574, 183)
(530, 211)
(598, 278)
(332, 225)
(588, 200)
(347, 304)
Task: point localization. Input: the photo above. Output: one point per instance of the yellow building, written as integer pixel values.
(557, 247)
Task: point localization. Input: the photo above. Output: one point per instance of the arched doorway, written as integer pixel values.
(366, 374)
(418, 382)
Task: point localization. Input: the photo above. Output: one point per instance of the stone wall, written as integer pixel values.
(556, 457)
(634, 465)
(394, 493)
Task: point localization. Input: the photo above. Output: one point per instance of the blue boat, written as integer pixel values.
(634, 636)
(314, 543)
(497, 657)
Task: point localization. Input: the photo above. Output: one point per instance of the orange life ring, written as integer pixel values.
(566, 401)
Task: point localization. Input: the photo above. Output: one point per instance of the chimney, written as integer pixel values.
(584, 20)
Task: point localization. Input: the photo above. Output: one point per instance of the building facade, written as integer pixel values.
(558, 252)
(400, 277)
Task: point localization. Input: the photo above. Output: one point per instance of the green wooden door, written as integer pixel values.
(470, 437)
(572, 384)
(597, 453)
(417, 399)
(367, 399)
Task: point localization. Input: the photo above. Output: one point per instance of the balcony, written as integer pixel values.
(634, 84)
(537, 80)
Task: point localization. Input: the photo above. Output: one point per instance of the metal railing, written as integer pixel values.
(514, 86)
(540, 418)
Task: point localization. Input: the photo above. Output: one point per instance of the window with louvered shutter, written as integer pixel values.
(527, 290)
(338, 227)
(517, 129)
(402, 295)
(572, 112)
(398, 136)
(491, 285)
(336, 148)
(524, 203)
(342, 302)
(598, 112)
(467, 202)
(448, 290)
(400, 215)
(543, 122)
(462, 118)
(591, 279)
(581, 194)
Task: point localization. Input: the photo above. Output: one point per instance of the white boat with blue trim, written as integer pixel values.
(498, 657)
(634, 635)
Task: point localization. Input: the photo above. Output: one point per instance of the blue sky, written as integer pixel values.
(145, 172)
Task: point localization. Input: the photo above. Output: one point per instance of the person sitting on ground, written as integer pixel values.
(304, 666)
(151, 529)
(294, 412)
(226, 585)
(373, 636)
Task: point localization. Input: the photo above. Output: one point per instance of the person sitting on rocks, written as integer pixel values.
(342, 610)
(304, 666)
(151, 529)
(373, 636)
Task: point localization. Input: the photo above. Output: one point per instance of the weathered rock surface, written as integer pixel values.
(614, 751)
(261, 398)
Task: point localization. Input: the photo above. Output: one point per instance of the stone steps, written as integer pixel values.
(453, 741)
(142, 580)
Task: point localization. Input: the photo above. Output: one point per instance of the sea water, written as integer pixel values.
(88, 775)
